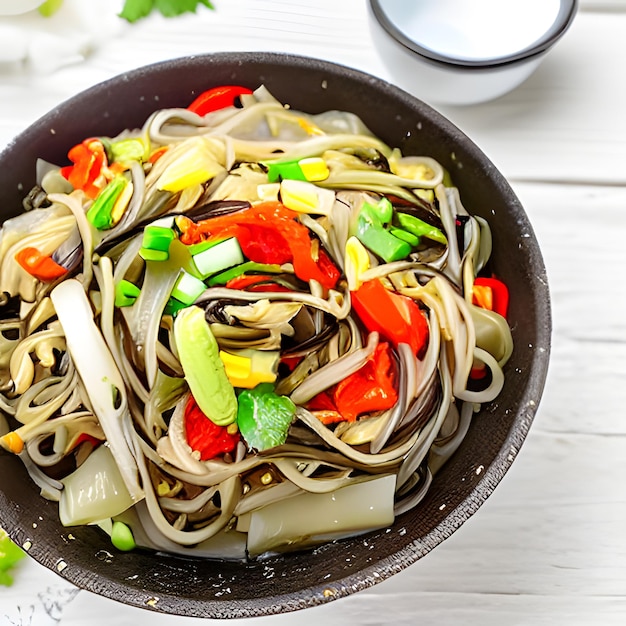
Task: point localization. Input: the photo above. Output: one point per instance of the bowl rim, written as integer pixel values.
(344, 585)
(567, 12)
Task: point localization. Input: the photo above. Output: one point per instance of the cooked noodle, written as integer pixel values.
(175, 499)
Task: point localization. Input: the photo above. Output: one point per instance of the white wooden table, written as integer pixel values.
(549, 547)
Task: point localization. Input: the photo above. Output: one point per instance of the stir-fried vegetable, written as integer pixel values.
(243, 328)
(204, 371)
(10, 554)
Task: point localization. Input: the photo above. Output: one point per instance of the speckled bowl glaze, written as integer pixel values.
(295, 581)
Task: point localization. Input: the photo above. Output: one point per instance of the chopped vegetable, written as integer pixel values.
(249, 266)
(10, 554)
(491, 294)
(410, 238)
(203, 368)
(12, 442)
(356, 262)
(102, 213)
(313, 169)
(381, 210)
(217, 98)
(419, 228)
(371, 232)
(195, 166)
(127, 150)
(305, 197)
(126, 293)
(122, 537)
(256, 282)
(369, 389)
(187, 288)
(102, 379)
(89, 159)
(41, 266)
(396, 317)
(264, 417)
(247, 368)
(313, 518)
(156, 243)
(205, 436)
(218, 256)
(94, 491)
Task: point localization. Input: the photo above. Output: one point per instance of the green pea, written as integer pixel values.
(122, 537)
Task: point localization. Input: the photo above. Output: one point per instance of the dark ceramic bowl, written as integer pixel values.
(295, 581)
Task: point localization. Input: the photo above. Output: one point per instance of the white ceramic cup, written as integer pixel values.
(459, 52)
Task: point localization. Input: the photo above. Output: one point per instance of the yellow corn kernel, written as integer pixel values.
(121, 204)
(195, 166)
(357, 261)
(250, 367)
(305, 197)
(237, 367)
(314, 169)
(12, 442)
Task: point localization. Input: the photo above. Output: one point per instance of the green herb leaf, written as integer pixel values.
(134, 10)
(172, 8)
(10, 554)
(50, 7)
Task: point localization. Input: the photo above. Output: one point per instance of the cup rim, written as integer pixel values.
(563, 20)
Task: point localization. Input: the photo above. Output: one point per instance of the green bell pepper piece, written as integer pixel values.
(264, 417)
(419, 227)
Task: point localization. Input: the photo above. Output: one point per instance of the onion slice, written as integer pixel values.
(102, 380)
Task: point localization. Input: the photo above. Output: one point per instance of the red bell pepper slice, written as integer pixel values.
(88, 158)
(94, 441)
(217, 98)
(263, 243)
(368, 390)
(269, 232)
(395, 317)
(206, 437)
(324, 409)
(41, 266)
(492, 294)
(255, 282)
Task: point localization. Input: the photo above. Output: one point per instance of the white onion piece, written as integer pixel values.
(93, 492)
(101, 378)
(225, 545)
(313, 518)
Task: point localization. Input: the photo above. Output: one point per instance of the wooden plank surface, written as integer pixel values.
(565, 123)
